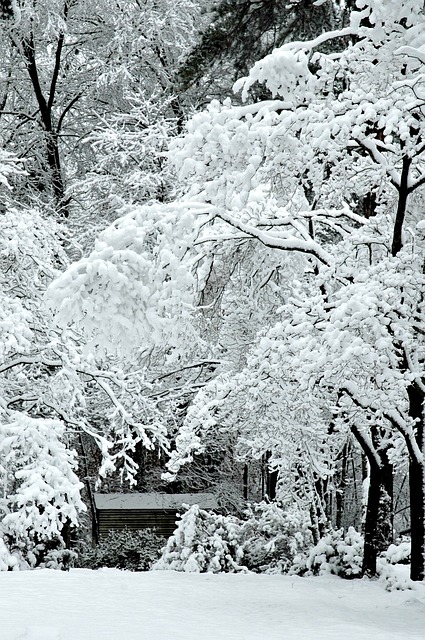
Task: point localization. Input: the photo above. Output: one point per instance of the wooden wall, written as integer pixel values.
(164, 521)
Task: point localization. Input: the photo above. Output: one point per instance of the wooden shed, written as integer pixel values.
(145, 510)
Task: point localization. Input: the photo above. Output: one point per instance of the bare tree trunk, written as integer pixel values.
(341, 486)
(378, 527)
(45, 105)
(417, 487)
(403, 193)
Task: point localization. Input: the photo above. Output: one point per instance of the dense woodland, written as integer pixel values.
(212, 262)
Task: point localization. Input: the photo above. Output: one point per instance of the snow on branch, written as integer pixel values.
(393, 416)
(286, 70)
(285, 244)
(127, 292)
(371, 147)
(412, 52)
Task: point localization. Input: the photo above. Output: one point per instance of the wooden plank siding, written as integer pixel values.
(164, 522)
(135, 511)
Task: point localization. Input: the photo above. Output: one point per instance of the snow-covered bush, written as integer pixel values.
(265, 542)
(10, 561)
(337, 552)
(398, 553)
(273, 537)
(60, 558)
(393, 579)
(394, 576)
(204, 542)
(131, 550)
(40, 496)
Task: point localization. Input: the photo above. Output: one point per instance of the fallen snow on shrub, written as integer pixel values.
(398, 553)
(266, 541)
(337, 552)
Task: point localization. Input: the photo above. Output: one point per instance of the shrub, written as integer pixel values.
(398, 553)
(337, 552)
(265, 541)
(29, 552)
(124, 549)
(395, 577)
(10, 561)
(273, 537)
(203, 542)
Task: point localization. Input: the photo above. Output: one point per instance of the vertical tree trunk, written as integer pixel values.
(55, 171)
(245, 481)
(341, 486)
(370, 553)
(272, 477)
(378, 529)
(403, 194)
(322, 505)
(45, 105)
(417, 520)
(417, 487)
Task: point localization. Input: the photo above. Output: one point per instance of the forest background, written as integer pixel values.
(210, 285)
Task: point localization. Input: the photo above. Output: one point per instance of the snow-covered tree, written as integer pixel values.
(68, 65)
(40, 491)
(329, 171)
(54, 392)
(333, 168)
(240, 32)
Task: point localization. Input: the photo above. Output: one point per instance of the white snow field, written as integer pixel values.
(164, 605)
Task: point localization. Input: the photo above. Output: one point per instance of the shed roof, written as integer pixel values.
(123, 501)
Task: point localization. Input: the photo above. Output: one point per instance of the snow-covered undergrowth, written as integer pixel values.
(120, 605)
(337, 552)
(266, 541)
(271, 540)
(122, 549)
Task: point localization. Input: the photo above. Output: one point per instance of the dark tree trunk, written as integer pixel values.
(386, 505)
(416, 411)
(245, 481)
(322, 506)
(341, 486)
(417, 487)
(378, 529)
(45, 105)
(90, 495)
(403, 193)
(370, 553)
(269, 478)
(140, 459)
(55, 171)
(271, 485)
(417, 520)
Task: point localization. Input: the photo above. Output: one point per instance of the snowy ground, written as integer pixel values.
(113, 605)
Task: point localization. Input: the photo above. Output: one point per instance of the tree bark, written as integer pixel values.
(403, 193)
(341, 486)
(45, 106)
(417, 520)
(417, 487)
(378, 530)
(378, 527)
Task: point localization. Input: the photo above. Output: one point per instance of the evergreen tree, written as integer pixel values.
(240, 32)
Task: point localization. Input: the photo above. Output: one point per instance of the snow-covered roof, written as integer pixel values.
(153, 500)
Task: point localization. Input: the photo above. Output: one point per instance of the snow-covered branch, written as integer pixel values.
(274, 242)
(393, 416)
